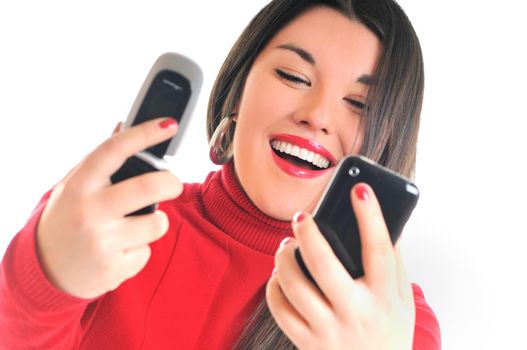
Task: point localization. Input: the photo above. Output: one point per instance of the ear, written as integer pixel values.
(234, 113)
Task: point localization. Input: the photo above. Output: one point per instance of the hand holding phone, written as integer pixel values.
(334, 214)
(170, 89)
(86, 247)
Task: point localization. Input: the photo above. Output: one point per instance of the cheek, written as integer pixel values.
(264, 98)
(352, 135)
(358, 138)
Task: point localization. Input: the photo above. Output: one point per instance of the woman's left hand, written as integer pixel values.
(376, 311)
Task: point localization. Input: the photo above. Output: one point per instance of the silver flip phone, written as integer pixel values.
(170, 89)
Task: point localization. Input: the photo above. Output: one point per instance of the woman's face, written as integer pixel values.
(303, 98)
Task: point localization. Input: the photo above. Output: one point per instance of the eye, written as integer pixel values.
(292, 78)
(357, 105)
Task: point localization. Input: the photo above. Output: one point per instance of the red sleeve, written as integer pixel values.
(427, 335)
(33, 313)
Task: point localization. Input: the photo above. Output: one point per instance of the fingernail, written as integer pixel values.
(274, 271)
(362, 192)
(117, 128)
(299, 216)
(284, 242)
(168, 123)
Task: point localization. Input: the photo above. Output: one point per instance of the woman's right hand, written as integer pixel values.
(86, 244)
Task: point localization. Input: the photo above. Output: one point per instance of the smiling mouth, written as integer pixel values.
(299, 156)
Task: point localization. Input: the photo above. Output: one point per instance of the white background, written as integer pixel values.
(69, 72)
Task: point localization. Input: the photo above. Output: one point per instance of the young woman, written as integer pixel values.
(307, 83)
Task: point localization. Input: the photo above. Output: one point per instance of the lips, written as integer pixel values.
(300, 157)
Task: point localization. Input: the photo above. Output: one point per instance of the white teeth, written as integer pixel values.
(316, 159)
(295, 151)
(302, 153)
(310, 156)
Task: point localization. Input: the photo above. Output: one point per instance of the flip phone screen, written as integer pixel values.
(168, 96)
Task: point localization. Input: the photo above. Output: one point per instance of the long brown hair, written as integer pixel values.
(394, 101)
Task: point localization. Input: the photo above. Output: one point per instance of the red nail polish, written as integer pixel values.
(299, 216)
(117, 128)
(168, 123)
(362, 192)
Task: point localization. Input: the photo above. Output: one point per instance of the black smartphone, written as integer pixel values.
(334, 214)
(170, 89)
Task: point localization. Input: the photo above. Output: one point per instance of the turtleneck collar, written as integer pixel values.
(229, 208)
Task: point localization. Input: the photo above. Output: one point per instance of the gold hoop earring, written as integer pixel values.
(219, 152)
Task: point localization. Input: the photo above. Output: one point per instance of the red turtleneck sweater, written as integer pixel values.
(205, 277)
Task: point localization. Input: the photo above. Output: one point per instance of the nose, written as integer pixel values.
(316, 115)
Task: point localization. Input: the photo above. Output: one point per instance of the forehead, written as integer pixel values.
(329, 35)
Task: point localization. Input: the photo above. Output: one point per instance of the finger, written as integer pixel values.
(76, 168)
(326, 269)
(403, 283)
(301, 293)
(377, 249)
(133, 261)
(98, 166)
(287, 318)
(136, 231)
(138, 192)
(117, 128)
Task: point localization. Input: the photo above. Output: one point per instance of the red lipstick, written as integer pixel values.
(310, 145)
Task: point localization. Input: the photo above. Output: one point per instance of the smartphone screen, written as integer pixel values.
(335, 217)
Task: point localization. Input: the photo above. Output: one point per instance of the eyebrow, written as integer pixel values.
(306, 56)
(367, 79)
(364, 79)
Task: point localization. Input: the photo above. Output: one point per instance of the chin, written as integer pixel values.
(281, 209)
(277, 194)
(279, 213)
